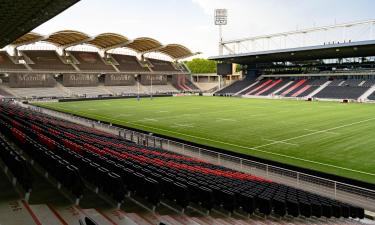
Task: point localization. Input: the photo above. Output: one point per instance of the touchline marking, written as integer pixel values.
(326, 132)
(239, 146)
(282, 142)
(317, 132)
(226, 119)
(149, 119)
(182, 125)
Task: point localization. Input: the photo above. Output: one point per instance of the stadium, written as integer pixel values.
(110, 129)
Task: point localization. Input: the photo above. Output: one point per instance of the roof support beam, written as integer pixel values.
(152, 50)
(103, 51)
(61, 48)
(13, 48)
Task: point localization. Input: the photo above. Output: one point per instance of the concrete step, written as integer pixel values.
(46, 215)
(118, 217)
(169, 220)
(137, 219)
(98, 216)
(17, 213)
(70, 214)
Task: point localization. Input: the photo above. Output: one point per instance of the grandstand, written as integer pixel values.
(332, 76)
(83, 68)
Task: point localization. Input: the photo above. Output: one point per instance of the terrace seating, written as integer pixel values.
(71, 152)
(273, 87)
(307, 87)
(119, 90)
(4, 93)
(91, 61)
(256, 87)
(290, 90)
(160, 89)
(7, 65)
(39, 92)
(352, 83)
(16, 164)
(191, 85)
(236, 87)
(372, 96)
(47, 61)
(128, 63)
(341, 92)
(336, 82)
(369, 83)
(88, 91)
(161, 65)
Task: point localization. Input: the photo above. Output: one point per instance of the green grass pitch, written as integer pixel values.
(325, 136)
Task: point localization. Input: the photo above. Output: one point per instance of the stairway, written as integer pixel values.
(367, 93)
(282, 88)
(312, 94)
(246, 88)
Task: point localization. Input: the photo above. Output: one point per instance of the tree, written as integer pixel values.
(200, 65)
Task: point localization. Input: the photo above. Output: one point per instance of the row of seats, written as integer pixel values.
(84, 91)
(118, 166)
(48, 60)
(235, 87)
(341, 92)
(17, 164)
(337, 89)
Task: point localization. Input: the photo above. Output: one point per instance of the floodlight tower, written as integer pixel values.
(221, 16)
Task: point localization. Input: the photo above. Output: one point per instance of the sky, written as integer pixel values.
(191, 23)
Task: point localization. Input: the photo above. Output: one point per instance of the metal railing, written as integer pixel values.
(333, 189)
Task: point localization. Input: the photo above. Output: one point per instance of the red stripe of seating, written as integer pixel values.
(301, 91)
(32, 214)
(269, 87)
(299, 83)
(259, 87)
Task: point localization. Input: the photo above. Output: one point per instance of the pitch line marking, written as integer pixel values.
(182, 125)
(149, 119)
(317, 132)
(282, 142)
(226, 119)
(240, 146)
(326, 132)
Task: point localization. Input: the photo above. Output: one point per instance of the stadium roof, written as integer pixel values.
(28, 38)
(67, 37)
(21, 16)
(342, 50)
(176, 51)
(144, 44)
(107, 41)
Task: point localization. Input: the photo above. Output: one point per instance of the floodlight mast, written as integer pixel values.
(221, 18)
